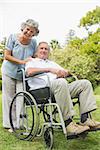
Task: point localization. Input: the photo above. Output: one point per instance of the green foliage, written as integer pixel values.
(0, 77)
(0, 85)
(91, 48)
(92, 44)
(54, 44)
(97, 90)
(84, 67)
(82, 56)
(75, 43)
(2, 47)
(91, 18)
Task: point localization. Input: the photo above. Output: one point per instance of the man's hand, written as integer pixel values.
(61, 73)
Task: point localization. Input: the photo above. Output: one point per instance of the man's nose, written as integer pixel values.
(44, 49)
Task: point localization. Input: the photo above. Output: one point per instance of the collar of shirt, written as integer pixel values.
(46, 60)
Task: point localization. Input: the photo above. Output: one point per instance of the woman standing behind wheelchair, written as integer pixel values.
(19, 48)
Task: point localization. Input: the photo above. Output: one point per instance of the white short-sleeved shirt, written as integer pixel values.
(41, 81)
(19, 51)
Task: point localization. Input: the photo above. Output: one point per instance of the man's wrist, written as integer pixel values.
(47, 70)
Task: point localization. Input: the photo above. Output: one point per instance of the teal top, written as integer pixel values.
(19, 51)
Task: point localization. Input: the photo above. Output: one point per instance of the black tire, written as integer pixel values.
(28, 118)
(48, 137)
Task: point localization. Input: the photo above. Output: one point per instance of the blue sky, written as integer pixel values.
(55, 17)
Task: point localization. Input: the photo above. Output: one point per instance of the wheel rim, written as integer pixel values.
(48, 138)
(29, 118)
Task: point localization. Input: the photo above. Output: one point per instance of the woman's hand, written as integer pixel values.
(8, 56)
(28, 59)
(23, 62)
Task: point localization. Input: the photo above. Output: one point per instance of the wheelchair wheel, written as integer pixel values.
(48, 137)
(24, 116)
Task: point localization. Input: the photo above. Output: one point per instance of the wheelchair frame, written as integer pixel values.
(26, 132)
(29, 124)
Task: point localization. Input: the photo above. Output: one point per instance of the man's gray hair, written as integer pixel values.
(44, 43)
(32, 23)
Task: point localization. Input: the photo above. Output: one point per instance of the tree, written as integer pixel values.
(91, 18)
(2, 47)
(54, 44)
(82, 56)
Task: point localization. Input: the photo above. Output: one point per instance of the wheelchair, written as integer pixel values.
(26, 125)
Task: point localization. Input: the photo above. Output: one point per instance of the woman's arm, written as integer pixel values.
(9, 57)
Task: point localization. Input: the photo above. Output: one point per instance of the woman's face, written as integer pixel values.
(28, 32)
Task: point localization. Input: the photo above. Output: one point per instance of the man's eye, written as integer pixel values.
(44, 48)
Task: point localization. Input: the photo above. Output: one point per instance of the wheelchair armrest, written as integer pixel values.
(36, 74)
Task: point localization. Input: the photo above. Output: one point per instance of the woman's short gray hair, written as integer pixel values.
(32, 23)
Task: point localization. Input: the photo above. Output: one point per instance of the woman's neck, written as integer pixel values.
(23, 40)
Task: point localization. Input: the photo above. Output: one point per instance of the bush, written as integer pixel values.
(97, 90)
(0, 85)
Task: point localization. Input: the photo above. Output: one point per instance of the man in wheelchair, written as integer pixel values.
(62, 91)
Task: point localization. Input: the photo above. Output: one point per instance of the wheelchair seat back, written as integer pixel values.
(41, 95)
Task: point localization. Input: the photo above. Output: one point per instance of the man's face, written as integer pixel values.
(43, 51)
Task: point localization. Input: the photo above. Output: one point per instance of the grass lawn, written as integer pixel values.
(9, 142)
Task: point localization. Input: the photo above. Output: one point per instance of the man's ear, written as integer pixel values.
(35, 55)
